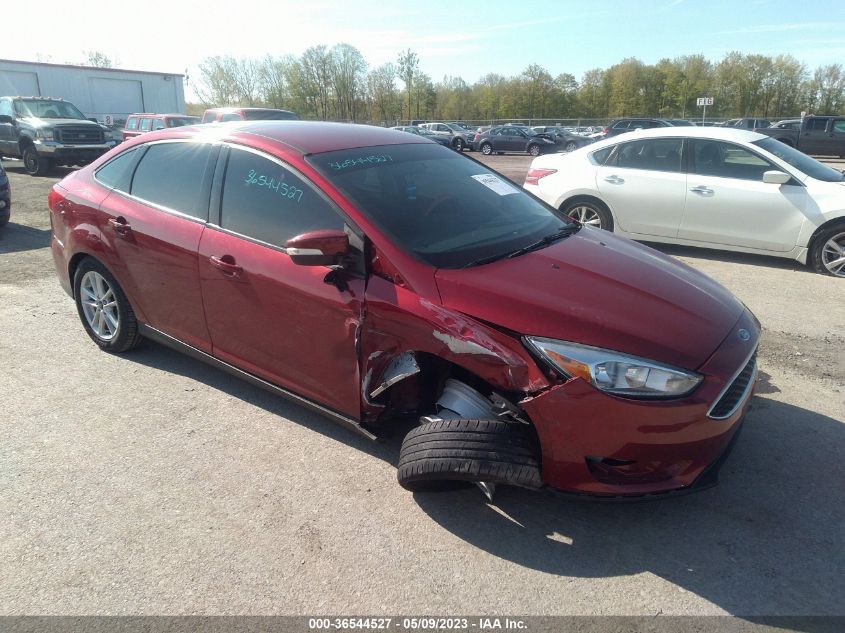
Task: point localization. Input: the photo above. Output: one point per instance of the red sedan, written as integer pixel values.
(377, 277)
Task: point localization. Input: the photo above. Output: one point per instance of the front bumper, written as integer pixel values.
(73, 154)
(597, 444)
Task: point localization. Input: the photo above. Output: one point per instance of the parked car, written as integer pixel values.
(512, 138)
(373, 276)
(736, 190)
(44, 132)
(620, 126)
(425, 133)
(787, 124)
(5, 197)
(458, 136)
(820, 135)
(222, 115)
(747, 123)
(567, 140)
(146, 122)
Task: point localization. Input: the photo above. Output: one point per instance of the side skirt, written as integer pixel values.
(165, 339)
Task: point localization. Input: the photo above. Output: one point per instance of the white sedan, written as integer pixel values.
(713, 187)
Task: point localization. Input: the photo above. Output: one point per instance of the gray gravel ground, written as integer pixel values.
(153, 484)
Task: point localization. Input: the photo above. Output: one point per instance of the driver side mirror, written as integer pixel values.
(318, 248)
(776, 177)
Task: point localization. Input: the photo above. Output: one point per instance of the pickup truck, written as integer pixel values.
(45, 132)
(820, 135)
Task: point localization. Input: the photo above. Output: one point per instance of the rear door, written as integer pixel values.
(276, 319)
(154, 218)
(729, 204)
(814, 137)
(644, 185)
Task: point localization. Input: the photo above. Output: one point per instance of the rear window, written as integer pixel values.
(269, 115)
(117, 173)
(171, 175)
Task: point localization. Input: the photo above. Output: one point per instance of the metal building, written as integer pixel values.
(98, 92)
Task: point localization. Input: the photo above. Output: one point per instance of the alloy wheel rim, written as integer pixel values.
(486, 149)
(833, 255)
(585, 215)
(99, 305)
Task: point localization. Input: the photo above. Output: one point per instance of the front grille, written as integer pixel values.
(79, 135)
(731, 398)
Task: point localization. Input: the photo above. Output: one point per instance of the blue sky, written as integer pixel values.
(469, 38)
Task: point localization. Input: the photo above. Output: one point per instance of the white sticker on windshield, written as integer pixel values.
(496, 184)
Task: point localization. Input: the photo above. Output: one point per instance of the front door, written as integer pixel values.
(729, 204)
(276, 319)
(645, 187)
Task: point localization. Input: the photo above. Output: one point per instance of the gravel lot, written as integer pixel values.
(153, 484)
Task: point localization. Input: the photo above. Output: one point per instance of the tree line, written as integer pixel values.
(337, 83)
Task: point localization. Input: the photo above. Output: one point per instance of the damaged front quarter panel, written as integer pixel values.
(398, 321)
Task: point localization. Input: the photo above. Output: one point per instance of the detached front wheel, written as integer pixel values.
(443, 454)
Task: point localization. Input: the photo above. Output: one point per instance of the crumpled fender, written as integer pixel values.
(398, 320)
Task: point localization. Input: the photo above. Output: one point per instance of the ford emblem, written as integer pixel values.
(745, 335)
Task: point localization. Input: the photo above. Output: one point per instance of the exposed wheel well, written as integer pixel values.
(24, 143)
(418, 394)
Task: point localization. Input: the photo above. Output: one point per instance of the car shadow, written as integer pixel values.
(15, 238)
(697, 252)
(766, 541)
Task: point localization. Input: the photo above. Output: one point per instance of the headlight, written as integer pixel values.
(44, 135)
(613, 372)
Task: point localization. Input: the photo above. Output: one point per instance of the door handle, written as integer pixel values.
(615, 180)
(120, 225)
(701, 189)
(227, 264)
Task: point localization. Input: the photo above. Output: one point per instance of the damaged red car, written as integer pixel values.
(377, 278)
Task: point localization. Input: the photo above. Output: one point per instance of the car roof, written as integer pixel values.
(229, 109)
(312, 137)
(715, 133)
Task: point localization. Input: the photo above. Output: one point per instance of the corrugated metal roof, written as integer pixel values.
(115, 70)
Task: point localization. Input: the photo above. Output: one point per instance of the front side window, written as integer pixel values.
(265, 201)
(208, 116)
(232, 116)
(800, 160)
(662, 154)
(725, 160)
(839, 126)
(171, 175)
(439, 206)
(145, 125)
(6, 107)
(181, 121)
(158, 124)
(817, 125)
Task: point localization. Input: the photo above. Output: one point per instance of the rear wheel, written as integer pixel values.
(104, 309)
(534, 149)
(458, 144)
(827, 253)
(590, 212)
(486, 149)
(34, 164)
(571, 146)
(444, 454)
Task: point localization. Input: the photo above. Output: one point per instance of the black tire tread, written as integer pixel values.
(464, 450)
(814, 257)
(129, 337)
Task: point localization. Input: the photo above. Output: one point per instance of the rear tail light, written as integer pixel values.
(534, 175)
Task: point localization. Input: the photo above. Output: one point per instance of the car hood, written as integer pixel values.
(599, 289)
(38, 122)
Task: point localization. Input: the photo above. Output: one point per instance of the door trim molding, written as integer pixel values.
(158, 336)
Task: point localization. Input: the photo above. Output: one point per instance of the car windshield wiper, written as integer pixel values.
(565, 231)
